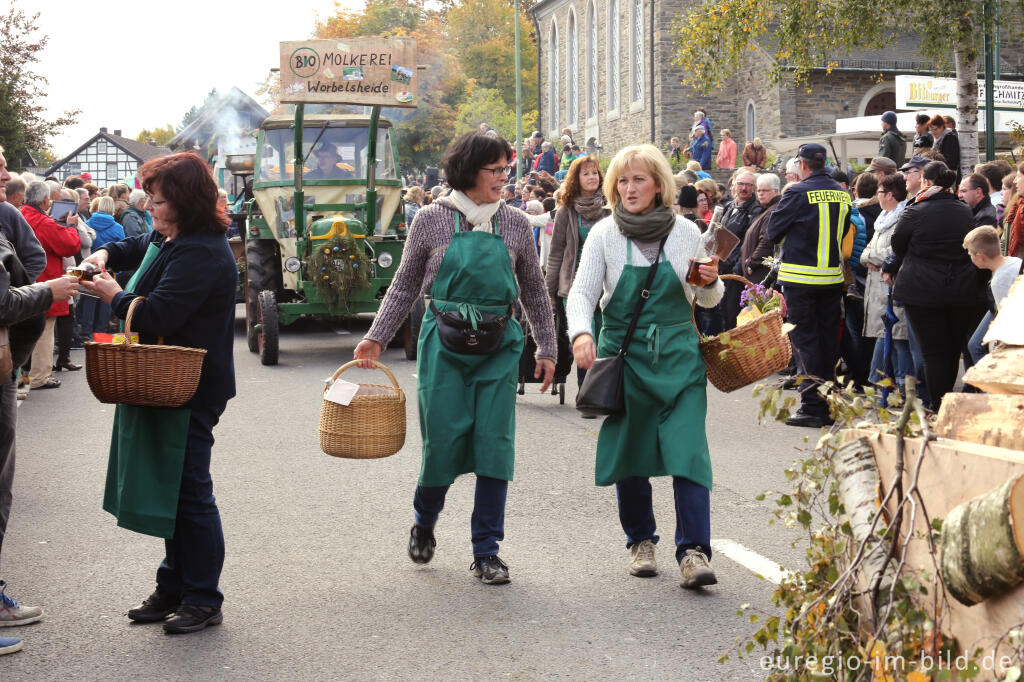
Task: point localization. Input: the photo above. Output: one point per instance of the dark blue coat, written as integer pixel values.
(190, 301)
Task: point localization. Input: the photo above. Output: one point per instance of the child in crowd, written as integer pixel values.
(982, 244)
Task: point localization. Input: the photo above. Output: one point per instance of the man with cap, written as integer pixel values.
(892, 144)
(912, 173)
(327, 160)
(881, 166)
(810, 221)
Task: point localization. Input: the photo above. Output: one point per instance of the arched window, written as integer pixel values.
(613, 76)
(553, 90)
(636, 18)
(751, 121)
(572, 72)
(591, 60)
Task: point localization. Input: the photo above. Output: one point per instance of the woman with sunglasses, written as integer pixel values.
(473, 256)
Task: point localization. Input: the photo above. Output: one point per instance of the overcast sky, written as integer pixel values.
(135, 65)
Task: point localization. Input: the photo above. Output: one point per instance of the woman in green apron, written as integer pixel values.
(158, 474)
(474, 256)
(581, 205)
(661, 431)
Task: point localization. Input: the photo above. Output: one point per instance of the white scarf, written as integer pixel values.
(478, 215)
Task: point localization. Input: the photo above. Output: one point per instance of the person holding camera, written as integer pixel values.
(59, 240)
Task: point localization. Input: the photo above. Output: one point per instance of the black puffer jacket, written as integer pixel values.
(934, 269)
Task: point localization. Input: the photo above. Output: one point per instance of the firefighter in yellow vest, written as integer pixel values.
(811, 221)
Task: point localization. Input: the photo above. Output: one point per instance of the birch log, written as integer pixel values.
(983, 544)
(857, 475)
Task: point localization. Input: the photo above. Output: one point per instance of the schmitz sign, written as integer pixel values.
(923, 92)
(366, 71)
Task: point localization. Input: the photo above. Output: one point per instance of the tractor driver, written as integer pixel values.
(328, 164)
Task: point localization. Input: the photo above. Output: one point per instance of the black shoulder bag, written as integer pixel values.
(601, 393)
(475, 332)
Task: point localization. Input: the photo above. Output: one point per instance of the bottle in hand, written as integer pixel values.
(85, 271)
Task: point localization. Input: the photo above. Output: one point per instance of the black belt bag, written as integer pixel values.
(461, 335)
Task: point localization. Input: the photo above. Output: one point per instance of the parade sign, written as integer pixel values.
(365, 71)
(922, 92)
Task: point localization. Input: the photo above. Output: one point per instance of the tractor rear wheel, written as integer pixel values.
(268, 329)
(262, 272)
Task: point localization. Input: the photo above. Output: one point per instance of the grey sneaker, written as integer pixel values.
(490, 569)
(695, 570)
(641, 560)
(13, 613)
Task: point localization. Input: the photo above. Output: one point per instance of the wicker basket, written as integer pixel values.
(371, 426)
(142, 374)
(732, 367)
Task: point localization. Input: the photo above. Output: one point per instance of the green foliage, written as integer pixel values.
(486, 106)
(160, 136)
(23, 122)
(338, 266)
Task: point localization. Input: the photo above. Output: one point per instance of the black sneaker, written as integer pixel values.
(192, 618)
(809, 420)
(421, 544)
(157, 606)
(490, 569)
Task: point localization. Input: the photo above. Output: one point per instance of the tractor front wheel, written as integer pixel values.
(268, 328)
(262, 271)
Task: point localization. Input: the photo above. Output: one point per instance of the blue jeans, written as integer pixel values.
(195, 555)
(693, 513)
(918, 355)
(902, 361)
(976, 348)
(488, 521)
(93, 316)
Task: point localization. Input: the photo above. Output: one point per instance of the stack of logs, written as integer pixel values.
(983, 538)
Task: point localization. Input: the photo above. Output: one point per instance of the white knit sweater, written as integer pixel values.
(604, 257)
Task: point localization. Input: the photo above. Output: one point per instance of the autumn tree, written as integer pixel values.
(714, 40)
(483, 39)
(161, 136)
(24, 125)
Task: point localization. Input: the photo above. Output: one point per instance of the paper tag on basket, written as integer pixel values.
(119, 338)
(342, 392)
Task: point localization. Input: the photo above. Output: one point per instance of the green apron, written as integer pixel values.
(661, 432)
(467, 403)
(147, 455)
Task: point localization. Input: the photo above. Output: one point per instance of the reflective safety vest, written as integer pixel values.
(810, 221)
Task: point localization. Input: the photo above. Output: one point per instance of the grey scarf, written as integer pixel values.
(591, 208)
(647, 227)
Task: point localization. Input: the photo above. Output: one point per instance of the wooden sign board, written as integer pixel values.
(364, 71)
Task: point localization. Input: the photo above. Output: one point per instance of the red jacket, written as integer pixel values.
(59, 242)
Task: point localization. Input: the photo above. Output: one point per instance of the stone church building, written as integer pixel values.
(606, 72)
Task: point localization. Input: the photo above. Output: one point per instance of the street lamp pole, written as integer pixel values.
(519, 104)
(990, 109)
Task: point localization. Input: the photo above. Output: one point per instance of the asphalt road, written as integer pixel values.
(317, 582)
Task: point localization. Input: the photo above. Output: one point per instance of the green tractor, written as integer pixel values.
(325, 229)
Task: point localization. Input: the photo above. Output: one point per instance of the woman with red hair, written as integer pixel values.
(946, 143)
(158, 476)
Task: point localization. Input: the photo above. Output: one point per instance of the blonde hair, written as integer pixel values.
(651, 158)
(710, 188)
(694, 166)
(414, 194)
(103, 205)
(983, 240)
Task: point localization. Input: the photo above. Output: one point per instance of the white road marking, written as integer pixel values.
(749, 559)
(342, 332)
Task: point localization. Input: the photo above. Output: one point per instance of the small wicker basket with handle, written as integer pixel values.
(371, 426)
(142, 374)
(754, 350)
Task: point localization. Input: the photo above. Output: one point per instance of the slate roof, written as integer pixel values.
(233, 99)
